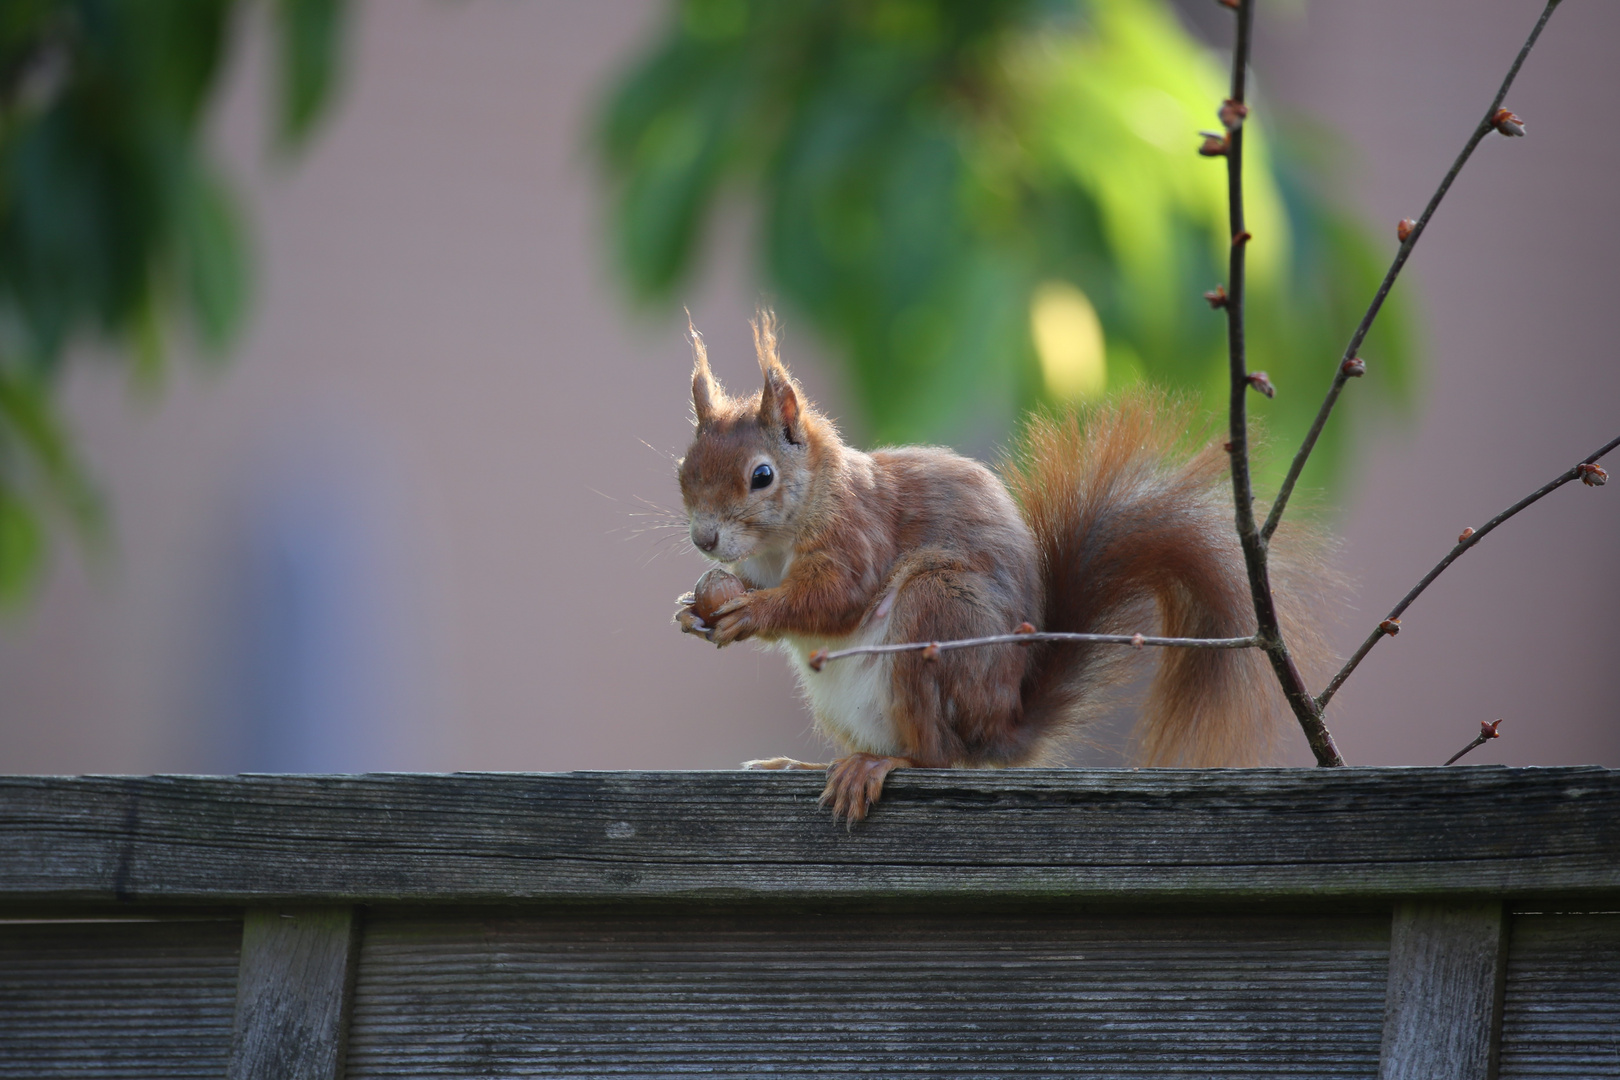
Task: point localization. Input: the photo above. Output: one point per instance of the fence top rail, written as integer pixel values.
(1086, 835)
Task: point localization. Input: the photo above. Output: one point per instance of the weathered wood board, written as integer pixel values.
(1036, 834)
(1443, 923)
(1442, 1018)
(117, 998)
(810, 997)
(293, 993)
(1561, 1009)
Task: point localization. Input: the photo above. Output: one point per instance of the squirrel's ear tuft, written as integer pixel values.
(705, 391)
(779, 402)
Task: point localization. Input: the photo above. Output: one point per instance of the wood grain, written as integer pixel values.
(117, 999)
(1561, 1015)
(1105, 835)
(1447, 962)
(815, 996)
(293, 993)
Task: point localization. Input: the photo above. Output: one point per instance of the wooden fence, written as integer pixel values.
(1422, 923)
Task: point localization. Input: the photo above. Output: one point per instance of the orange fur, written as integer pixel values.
(1101, 523)
(1135, 531)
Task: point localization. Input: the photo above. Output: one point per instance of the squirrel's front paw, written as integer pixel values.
(691, 622)
(734, 621)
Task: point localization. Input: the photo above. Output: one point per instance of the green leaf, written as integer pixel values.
(22, 548)
(215, 260)
(311, 38)
(149, 356)
(36, 445)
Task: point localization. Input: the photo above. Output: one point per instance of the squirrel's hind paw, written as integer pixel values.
(855, 783)
(782, 763)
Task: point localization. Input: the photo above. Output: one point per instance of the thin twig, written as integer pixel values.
(1269, 627)
(822, 656)
(1348, 367)
(1236, 345)
(1487, 732)
(1390, 626)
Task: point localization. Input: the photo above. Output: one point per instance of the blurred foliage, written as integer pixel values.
(986, 205)
(113, 219)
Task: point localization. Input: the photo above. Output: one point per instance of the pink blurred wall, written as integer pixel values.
(429, 448)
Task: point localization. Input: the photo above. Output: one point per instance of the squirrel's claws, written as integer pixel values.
(691, 622)
(733, 621)
(732, 628)
(735, 604)
(855, 783)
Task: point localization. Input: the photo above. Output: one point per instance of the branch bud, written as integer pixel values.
(1262, 382)
(1462, 537)
(1242, 238)
(1592, 474)
(1354, 368)
(1025, 628)
(931, 651)
(1488, 730)
(1233, 4)
(1390, 626)
(817, 659)
(1232, 114)
(1403, 231)
(1215, 144)
(1137, 641)
(1507, 123)
(1216, 297)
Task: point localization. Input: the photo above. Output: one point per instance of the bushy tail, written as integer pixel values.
(1134, 524)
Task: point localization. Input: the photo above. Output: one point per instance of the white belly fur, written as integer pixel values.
(850, 697)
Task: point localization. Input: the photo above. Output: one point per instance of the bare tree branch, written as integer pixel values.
(1350, 366)
(822, 656)
(1587, 470)
(1487, 732)
(1232, 115)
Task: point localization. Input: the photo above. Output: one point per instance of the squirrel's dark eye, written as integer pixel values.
(763, 475)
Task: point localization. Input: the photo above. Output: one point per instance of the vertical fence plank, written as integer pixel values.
(293, 993)
(1443, 1015)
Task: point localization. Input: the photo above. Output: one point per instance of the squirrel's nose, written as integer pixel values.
(706, 539)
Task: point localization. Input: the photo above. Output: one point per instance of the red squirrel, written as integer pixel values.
(1088, 528)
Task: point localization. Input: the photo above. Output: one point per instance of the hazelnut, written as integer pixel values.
(714, 589)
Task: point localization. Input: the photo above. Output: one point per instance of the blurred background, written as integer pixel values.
(342, 366)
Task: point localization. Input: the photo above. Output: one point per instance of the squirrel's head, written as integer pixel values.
(746, 478)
